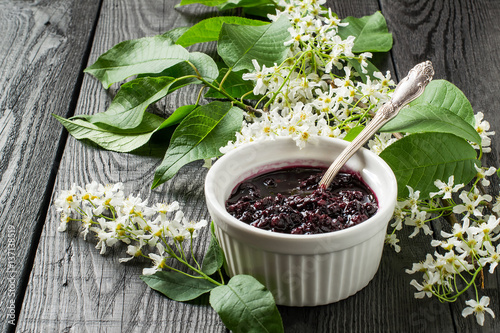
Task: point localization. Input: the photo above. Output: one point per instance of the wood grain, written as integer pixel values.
(72, 287)
(42, 48)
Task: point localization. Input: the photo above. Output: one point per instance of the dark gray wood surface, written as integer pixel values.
(43, 47)
(62, 284)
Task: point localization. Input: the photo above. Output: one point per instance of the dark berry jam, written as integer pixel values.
(289, 201)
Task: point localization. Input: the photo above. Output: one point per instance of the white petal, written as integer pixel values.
(480, 318)
(467, 311)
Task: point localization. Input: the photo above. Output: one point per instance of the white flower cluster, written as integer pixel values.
(114, 218)
(315, 91)
(483, 128)
(468, 248)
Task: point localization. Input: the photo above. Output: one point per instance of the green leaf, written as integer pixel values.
(353, 133)
(214, 258)
(370, 31)
(244, 4)
(261, 11)
(177, 116)
(178, 286)
(245, 305)
(238, 44)
(419, 159)
(199, 136)
(227, 4)
(208, 30)
(175, 33)
(132, 57)
(205, 67)
(445, 94)
(209, 3)
(428, 118)
(127, 108)
(234, 85)
(113, 139)
(371, 68)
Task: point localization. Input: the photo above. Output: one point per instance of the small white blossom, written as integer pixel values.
(496, 205)
(422, 266)
(492, 257)
(259, 76)
(430, 280)
(486, 228)
(482, 128)
(412, 202)
(393, 241)
(478, 309)
(419, 221)
(64, 220)
(468, 207)
(133, 251)
(399, 215)
(446, 189)
(483, 172)
(193, 227)
(67, 200)
(380, 142)
(458, 230)
(159, 262)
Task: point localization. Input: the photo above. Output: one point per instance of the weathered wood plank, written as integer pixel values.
(72, 287)
(461, 38)
(42, 48)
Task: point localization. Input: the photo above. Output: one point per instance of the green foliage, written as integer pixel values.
(214, 258)
(199, 136)
(372, 35)
(209, 3)
(353, 133)
(445, 118)
(239, 45)
(370, 31)
(228, 4)
(175, 33)
(113, 138)
(419, 159)
(177, 116)
(260, 11)
(178, 286)
(244, 4)
(132, 57)
(198, 67)
(234, 85)
(445, 94)
(422, 118)
(245, 305)
(129, 105)
(208, 30)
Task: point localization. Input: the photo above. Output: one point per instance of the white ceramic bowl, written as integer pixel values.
(301, 270)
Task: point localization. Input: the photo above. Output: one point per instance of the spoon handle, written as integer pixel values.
(406, 91)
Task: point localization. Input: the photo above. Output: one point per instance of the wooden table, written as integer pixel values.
(60, 283)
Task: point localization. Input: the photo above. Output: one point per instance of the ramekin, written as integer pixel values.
(301, 270)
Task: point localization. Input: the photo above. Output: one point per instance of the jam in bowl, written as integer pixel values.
(289, 200)
(302, 268)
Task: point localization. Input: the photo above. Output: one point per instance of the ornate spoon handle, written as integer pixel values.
(406, 91)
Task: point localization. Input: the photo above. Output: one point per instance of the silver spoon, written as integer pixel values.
(406, 91)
